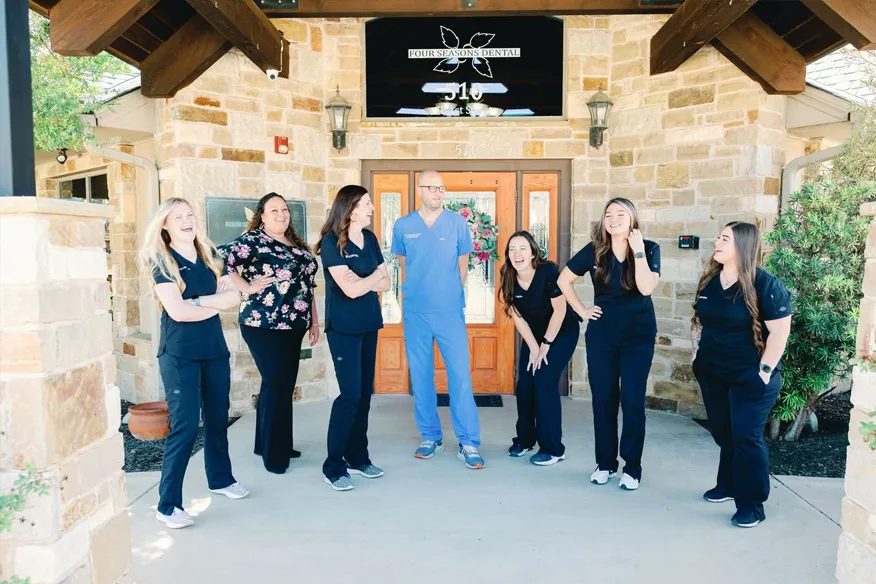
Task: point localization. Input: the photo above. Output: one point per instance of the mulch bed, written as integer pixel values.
(142, 455)
(816, 455)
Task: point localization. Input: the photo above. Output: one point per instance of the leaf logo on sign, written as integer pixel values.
(479, 40)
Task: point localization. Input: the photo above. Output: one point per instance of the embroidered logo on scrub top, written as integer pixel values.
(412, 235)
(783, 309)
(181, 268)
(704, 297)
(519, 296)
(353, 255)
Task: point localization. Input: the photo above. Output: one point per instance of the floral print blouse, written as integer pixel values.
(285, 304)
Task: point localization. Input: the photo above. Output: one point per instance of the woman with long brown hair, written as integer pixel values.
(742, 319)
(273, 267)
(620, 337)
(354, 271)
(541, 316)
(193, 358)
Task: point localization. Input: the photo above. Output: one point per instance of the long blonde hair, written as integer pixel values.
(155, 252)
(746, 240)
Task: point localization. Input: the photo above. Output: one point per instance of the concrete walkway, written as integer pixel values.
(435, 521)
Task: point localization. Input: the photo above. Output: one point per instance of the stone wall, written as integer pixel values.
(856, 563)
(59, 406)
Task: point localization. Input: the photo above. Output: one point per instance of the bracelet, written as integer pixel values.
(546, 342)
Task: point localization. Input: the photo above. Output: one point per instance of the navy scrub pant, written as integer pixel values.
(192, 387)
(539, 411)
(276, 354)
(355, 356)
(618, 378)
(738, 408)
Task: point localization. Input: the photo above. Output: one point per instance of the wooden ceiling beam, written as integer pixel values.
(763, 55)
(183, 58)
(81, 28)
(366, 8)
(855, 20)
(247, 27)
(691, 27)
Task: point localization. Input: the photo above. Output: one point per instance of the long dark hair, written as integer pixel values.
(746, 240)
(602, 247)
(339, 217)
(256, 222)
(508, 275)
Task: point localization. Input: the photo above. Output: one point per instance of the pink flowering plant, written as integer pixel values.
(484, 234)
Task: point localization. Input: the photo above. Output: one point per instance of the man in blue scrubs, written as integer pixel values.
(432, 246)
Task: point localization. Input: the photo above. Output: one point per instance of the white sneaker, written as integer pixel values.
(232, 491)
(600, 477)
(628, 483)
(177, 520)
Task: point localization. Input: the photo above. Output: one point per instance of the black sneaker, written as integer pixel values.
(747, 518)
(717, 495)
(518, 450)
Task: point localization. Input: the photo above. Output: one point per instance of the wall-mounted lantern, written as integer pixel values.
(599, 106)
(339, 110)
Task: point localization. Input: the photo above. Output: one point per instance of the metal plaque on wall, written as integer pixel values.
(479, 66)
(228, 218)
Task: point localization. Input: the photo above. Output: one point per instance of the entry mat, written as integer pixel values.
(482, 401)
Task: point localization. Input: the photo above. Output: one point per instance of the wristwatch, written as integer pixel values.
(640, 255)
(765, 368)
(544, 341)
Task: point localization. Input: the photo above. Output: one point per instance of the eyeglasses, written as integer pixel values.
(433, 189)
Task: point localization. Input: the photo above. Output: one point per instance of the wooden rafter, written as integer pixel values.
(245, 25)
(365, 8)
(855, 20)
(183, 58)
(87, 27)
(691, 27)
(763, 55)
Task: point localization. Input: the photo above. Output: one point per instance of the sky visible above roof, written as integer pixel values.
(846, 73)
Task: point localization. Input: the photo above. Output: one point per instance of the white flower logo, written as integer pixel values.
(479, 40)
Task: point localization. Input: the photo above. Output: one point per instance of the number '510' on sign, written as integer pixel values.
(466, 150)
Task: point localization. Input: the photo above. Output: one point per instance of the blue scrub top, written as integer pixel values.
(342, 313)
(201, 340)
(432, 282)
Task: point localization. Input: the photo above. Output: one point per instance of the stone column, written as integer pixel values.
(856, 562)
(59, 406)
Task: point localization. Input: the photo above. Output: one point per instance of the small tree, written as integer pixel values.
(818, 251)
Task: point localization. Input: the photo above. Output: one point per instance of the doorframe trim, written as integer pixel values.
(564, 195)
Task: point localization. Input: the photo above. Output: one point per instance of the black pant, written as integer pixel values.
(619, 377)
(738, 407)
(355, 356)
(539, 411)
(276, 354)
(193, 386)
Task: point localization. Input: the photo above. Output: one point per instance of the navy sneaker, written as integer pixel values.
(747, 518)
(545, 459)
(428, 448)
(518, 450)
(717, 495)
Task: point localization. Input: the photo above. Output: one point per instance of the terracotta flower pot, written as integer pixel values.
(149, 421)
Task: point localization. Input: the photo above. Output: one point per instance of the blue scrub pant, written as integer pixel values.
(619, 377)
(738, 410)
(448, 330)
(193, 386)
(539, 407)
(355, 357)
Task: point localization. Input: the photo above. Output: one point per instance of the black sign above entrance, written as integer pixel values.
(511, 66)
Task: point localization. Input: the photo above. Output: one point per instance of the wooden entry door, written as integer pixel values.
(490, 332)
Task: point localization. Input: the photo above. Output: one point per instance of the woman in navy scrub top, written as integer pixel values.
(620, 336)
(354, 273)
(192, 355)
(549, 332)
(273, 267)
(742, 319)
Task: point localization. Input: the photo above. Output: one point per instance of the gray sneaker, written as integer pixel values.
(232, 491)
(369, 471)
(471, 457)
(428, 448)
(340, 483)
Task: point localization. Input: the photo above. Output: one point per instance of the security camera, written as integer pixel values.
(272, 74)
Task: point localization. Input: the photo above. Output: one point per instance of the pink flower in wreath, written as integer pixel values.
(477, 246)
(465, 212)
(483, 256)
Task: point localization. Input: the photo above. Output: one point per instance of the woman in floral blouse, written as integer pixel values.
(275, 270)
